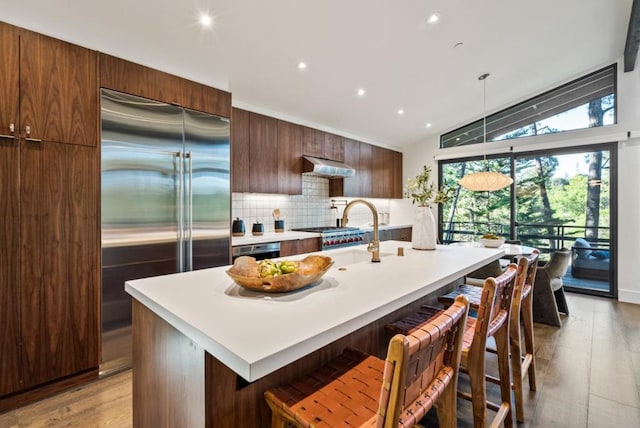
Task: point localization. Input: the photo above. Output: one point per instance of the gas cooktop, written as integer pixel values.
(336, 237)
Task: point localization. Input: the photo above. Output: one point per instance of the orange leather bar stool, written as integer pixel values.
(492, 321)
(358, 390)
(521, 308)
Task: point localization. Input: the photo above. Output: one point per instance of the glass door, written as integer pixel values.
(563, 199)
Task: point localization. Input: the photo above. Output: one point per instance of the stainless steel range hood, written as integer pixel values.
(326, 168)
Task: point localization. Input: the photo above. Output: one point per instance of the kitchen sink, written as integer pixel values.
(354, 255)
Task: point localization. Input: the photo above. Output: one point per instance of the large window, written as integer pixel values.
(587, 102)
(563, 199)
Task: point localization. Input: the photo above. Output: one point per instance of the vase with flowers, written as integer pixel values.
(424, 194)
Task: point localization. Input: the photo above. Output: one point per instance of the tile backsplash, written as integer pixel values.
(311, 209)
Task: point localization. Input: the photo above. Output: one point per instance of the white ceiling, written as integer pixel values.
(383, 46)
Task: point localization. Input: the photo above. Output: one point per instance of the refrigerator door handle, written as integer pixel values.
(189, 226)
(180, 208)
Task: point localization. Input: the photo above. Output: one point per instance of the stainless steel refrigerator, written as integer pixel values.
(165, 202)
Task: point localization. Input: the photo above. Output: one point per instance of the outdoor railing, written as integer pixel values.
(545, 237)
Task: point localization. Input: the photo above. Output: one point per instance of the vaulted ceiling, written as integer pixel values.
(385, 47)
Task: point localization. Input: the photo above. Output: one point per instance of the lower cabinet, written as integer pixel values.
(399, 234)
(300, 246)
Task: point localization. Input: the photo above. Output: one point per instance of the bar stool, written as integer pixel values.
(358, 390)
(492, 321)
(521, 307)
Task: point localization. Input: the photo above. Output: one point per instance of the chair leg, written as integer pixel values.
(476, 369)
(502, 345)
(527, 322)
(446, 407)
(516, 368)
(277, 421)
(561, 301)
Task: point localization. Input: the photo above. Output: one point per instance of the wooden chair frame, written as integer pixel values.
(420, 371)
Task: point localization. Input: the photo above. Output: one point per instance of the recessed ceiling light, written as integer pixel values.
(205, 20)
(302, 65)
(433, 18)
(428, 125)
(400, 111)
(361, 92)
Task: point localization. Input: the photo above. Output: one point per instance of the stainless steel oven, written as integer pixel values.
(269, 250)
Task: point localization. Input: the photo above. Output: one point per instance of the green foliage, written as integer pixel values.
(423, 192)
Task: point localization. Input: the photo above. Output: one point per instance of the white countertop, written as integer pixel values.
(255, 334)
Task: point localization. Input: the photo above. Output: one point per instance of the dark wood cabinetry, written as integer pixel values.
(300, 246)
(266, 154)
(59, 270)
(136, 79)
(322, 144)
(240, 149)
(58, 90)
(289, 155)
(398, 234)
(49, 187)
(263, 153)
(10, 360)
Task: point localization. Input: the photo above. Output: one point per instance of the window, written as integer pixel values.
(587, 102)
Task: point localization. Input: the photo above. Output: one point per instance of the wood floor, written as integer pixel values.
(588, 376)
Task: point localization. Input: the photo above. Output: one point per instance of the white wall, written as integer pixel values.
(628, 220)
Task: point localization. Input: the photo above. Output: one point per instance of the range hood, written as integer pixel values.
(326, 168)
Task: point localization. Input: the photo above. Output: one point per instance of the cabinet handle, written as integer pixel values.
(27, 131)
(12, 129)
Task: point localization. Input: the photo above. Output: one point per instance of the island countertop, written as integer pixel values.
(255, 334)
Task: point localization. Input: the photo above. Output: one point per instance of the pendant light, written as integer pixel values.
(485, 181)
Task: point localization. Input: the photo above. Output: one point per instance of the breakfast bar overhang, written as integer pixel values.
(205, 349)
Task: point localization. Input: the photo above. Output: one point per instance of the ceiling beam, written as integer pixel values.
(633, 38)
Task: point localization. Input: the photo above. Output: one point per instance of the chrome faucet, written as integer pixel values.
(374, 246)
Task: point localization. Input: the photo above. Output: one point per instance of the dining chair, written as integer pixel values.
(548, 296)
(359, 390)
(493, 313)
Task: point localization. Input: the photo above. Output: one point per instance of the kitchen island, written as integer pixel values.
(205, 349)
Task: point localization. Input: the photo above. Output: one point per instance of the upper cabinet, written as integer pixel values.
(265, 160)
(322, 144)
(136, 79)
(266, 154)
(48, 91)
(289, 158)
(263, 153)
(10, 81)
(240, 149)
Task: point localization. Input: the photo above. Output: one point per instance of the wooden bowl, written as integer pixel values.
(310, 269)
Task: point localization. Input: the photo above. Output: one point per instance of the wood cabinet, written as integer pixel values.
(10, 367)
(240, 148)
(333, 147)
(59, 274)
(10, 81)
(289, 153)
(313, 142)
(322, 144)
(48, 89)
(378, 172)
(58, 90)
(263, 153)
(49, 187)
(266, 154)
(136, 79)
(300, 246)
(397, 234)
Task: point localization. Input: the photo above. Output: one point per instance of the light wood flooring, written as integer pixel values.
(588, 376)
